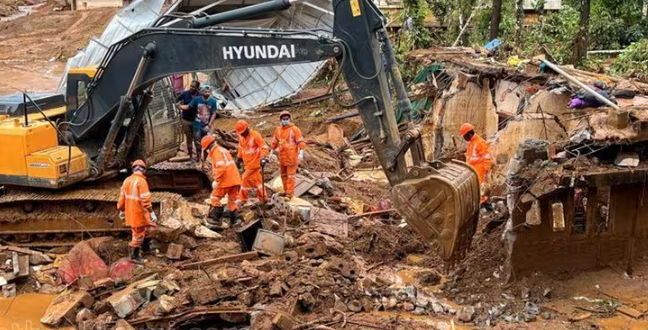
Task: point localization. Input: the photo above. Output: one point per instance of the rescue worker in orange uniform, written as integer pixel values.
(252, 151)
(288, 140)
(227, 181)
(136, 207)
(477, 154)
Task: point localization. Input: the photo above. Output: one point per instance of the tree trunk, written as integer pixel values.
(644, 9)
(519, 15)
(581, 40)
(496, 17)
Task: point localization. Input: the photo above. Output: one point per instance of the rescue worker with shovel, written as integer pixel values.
(252, 150)
(136, 207)
(227, 181)
(477, 155)
(288, 140)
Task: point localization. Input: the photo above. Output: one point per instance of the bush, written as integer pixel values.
(633, 61)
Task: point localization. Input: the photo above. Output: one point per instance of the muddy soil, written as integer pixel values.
(34, 48)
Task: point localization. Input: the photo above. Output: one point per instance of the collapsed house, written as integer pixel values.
(574, 179)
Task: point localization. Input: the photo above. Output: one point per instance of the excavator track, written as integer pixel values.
(181, 177)
(55, 218)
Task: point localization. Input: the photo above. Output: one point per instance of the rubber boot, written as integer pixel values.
(233, 217)
(135, 255)
(214, 217)
(146, 245)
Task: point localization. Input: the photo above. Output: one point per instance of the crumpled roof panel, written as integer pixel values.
(262, 86)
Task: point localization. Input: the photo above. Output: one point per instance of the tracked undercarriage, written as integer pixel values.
(54, 218)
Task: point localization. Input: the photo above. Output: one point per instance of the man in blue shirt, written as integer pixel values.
(189, 115)
(205, 114)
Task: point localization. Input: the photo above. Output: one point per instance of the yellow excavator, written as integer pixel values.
(55, 159)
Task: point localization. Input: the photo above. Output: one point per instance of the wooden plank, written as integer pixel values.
(222, 260)
(629, 311)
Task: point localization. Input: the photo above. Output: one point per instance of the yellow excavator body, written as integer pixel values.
(31, 156)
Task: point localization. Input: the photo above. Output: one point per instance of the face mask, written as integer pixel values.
(285, 122)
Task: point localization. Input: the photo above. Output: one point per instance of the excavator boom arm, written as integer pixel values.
(440, 200)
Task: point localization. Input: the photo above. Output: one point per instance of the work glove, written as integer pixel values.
(301, 155)
(272, 158)
(154, 217)
(575, 103)
(122, 215)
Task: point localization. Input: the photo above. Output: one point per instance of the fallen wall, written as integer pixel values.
(465, 101)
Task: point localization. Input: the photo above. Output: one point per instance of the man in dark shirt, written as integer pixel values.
(205, 115)
(189, 115)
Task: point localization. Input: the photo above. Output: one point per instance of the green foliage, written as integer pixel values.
(633, 61)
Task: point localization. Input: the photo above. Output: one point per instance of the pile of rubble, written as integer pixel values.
(311, 279)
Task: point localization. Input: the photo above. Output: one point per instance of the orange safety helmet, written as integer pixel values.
(207, 141)
(139, 162)
(465, 128)
(241, 126)
(284, 113)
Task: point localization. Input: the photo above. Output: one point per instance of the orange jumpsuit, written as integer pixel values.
(479, 157)
(135, 201)
(227, 177)
(289, 140)
(251, 149)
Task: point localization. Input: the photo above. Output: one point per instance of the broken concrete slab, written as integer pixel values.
(283, 321)
(65, 307)
(329, 222)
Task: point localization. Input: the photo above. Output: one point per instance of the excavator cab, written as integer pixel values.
(78, 80)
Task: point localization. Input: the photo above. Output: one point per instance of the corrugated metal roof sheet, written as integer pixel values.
(261, 86)
(255, 87)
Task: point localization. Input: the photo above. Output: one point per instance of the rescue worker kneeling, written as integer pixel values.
(477, 155)
(136, 207)
(227, 181)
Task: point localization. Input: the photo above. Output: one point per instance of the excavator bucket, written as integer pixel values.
(441, 203)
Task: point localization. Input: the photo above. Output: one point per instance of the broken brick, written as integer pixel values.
(276, 289)
(283, 321)
(313, 251)
(165, 287)
(346, 268)
(104, 283)
(86, 283)
(84, 314)
(174, 251)
(165, 305)
(307, 301)
(290, 256)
